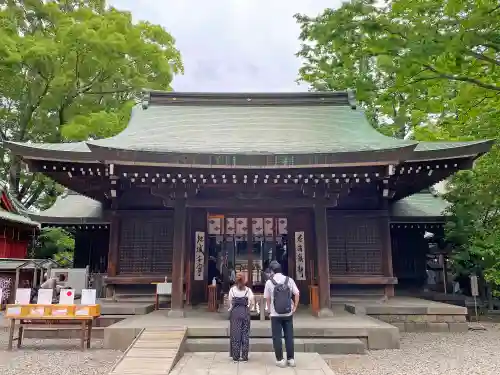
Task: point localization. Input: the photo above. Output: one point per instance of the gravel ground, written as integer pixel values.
(473, 353)
(55, 357)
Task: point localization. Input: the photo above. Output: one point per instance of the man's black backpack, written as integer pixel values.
(282, 297)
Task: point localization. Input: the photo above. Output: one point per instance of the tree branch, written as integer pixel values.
(483, 57)
(24, 189)
(34, 196)
(452, 77)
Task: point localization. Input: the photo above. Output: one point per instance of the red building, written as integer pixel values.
(16, 227)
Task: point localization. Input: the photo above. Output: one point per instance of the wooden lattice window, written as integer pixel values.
(354, 245)
(146, 244)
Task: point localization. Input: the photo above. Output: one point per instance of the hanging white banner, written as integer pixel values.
(199, 256)
(300, 256)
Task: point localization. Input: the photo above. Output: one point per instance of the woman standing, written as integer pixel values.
(240, 298)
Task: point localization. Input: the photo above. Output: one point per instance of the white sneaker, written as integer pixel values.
(281, 363)
(291, 362)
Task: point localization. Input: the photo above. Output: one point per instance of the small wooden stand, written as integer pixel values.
(50, 315)
(86, 324)
(314, 299)
(212, 298)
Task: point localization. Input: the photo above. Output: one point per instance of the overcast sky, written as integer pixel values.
(232, 45)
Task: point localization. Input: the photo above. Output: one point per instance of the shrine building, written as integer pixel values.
(201, 181)
(17, 229)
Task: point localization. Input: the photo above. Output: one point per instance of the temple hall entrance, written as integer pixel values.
(246, 244)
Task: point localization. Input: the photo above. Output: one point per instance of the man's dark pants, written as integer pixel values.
(278, 325)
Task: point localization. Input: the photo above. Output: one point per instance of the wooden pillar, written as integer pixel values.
(113, 252)
(387, 269)
(323, 265)
(177, 309)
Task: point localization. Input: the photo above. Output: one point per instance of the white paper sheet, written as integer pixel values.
(88, 297)
(60, 312)
(67, 297)
(82, 311)
(37, 311)
(23, 296)
(44, 296)
(16, 310)
(1, 295)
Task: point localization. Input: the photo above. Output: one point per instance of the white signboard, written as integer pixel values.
(23, 296)
(164, 289)
(44, 296)
(474, 286)
(300, 256)
(67, 297)
(88, 297)
(199, 255)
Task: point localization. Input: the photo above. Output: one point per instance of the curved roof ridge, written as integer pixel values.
(345, 98)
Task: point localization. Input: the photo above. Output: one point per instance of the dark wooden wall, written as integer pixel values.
(91, 249)
(409, 249)
(354, 244)
(146, 242)
(359, 249)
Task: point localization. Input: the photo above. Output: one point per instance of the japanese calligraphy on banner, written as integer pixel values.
(258, 226)
(300, 256)
(199, 255)
(241, 225)
(215, 224)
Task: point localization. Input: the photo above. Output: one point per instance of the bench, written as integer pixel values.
(86, 323)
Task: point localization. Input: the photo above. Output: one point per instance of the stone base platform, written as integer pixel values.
(125, 308)
(414, 314)
(330, 335)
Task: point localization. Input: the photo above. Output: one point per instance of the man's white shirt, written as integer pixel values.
(279, 278)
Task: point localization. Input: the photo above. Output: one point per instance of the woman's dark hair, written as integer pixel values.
(240, 281)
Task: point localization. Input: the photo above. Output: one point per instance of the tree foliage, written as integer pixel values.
(70, 70)
(412, 62)
(432, 68)
(55, 243)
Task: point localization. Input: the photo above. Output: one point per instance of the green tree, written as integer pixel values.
(71, 70)
(433, 67)
(422, 62)
(55, 243)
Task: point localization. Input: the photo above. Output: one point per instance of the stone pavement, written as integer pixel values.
(258, 364)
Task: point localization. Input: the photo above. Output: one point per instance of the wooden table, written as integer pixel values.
(86, 323)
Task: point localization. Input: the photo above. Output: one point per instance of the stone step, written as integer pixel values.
(256, 331)
(320, 345)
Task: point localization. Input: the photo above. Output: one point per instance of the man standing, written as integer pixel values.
(278, 293)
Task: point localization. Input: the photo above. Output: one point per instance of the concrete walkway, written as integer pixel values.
(258, 364)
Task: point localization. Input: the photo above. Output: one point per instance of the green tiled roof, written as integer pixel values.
(195, 128)
(71, 208)
(250, 130)
(419, 206)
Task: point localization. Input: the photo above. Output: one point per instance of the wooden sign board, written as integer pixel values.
(47, 311)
